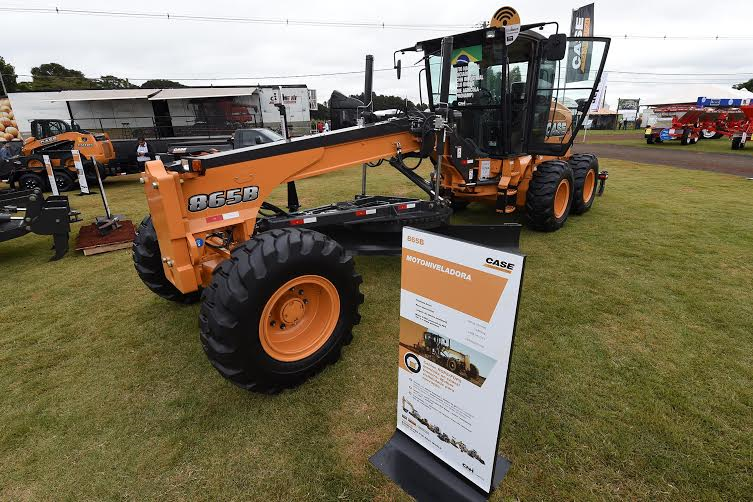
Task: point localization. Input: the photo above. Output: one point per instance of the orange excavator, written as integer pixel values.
(278, 287)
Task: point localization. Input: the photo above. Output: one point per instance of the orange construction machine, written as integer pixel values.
(56, 138)
(278, 287)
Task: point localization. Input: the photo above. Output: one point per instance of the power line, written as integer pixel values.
(746, 73)
(328, 24)
(220, 19)
(677, 37)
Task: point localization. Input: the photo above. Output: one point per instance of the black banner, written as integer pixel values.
(579, 53)
(627, 104)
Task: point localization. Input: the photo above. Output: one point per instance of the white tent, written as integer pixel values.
(689, 93)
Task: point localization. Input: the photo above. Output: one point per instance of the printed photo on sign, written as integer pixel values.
(455, 357)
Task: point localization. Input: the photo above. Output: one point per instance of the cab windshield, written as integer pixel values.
(477, 97)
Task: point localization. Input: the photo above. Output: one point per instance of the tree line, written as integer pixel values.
(56, 77)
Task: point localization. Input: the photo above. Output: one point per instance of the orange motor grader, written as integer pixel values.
(278, 288)
(513, 113)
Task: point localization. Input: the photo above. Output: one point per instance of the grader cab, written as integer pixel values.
(278, 288)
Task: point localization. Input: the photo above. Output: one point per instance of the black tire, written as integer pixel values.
(148, 262)
(540, 213)
(685, 140)
(473, 372)
(452, 365)
(581, 164)
(63, 180)
(736, 143)
(30, 181)
(233, 305)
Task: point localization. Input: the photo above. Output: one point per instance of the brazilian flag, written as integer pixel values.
(466, 55)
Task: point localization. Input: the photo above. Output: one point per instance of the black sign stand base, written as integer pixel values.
(425, 477)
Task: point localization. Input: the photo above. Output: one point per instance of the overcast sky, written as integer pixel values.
(161, 48)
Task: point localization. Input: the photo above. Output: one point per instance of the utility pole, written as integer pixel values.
(2, 82)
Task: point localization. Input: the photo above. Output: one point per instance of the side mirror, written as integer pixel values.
(556, 47)
(399, 67)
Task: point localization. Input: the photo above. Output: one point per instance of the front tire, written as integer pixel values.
(31, 181)
(148, 262)
(280, 309)
(585, 168)
(550, 196)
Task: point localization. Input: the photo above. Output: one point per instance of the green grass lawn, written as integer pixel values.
(632, 375)
(720, 145)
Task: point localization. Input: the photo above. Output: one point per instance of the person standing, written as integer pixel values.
(5, 165)
(5, 153)
(326, 126)
(142, 153)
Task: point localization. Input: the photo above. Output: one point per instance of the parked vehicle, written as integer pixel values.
(56, 139)
(241, 138)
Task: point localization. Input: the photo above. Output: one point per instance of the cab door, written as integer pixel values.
(563, 93)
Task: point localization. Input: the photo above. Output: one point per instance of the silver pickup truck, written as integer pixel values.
(241, 138)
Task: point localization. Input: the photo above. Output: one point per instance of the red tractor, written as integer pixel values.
(686, 128)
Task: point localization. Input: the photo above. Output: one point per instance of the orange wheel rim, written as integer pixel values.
(561, 198)
(588, 186)
(35, 163)
(299, 318)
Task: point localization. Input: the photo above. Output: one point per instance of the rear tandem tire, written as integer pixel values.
(585, 168)
(63, 180)
(148, 262)
(245, 309)
(546, 211)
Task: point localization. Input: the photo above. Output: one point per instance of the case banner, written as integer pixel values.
(458, 307)
(579, 53)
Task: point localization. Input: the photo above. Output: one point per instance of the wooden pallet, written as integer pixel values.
(90, 242)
